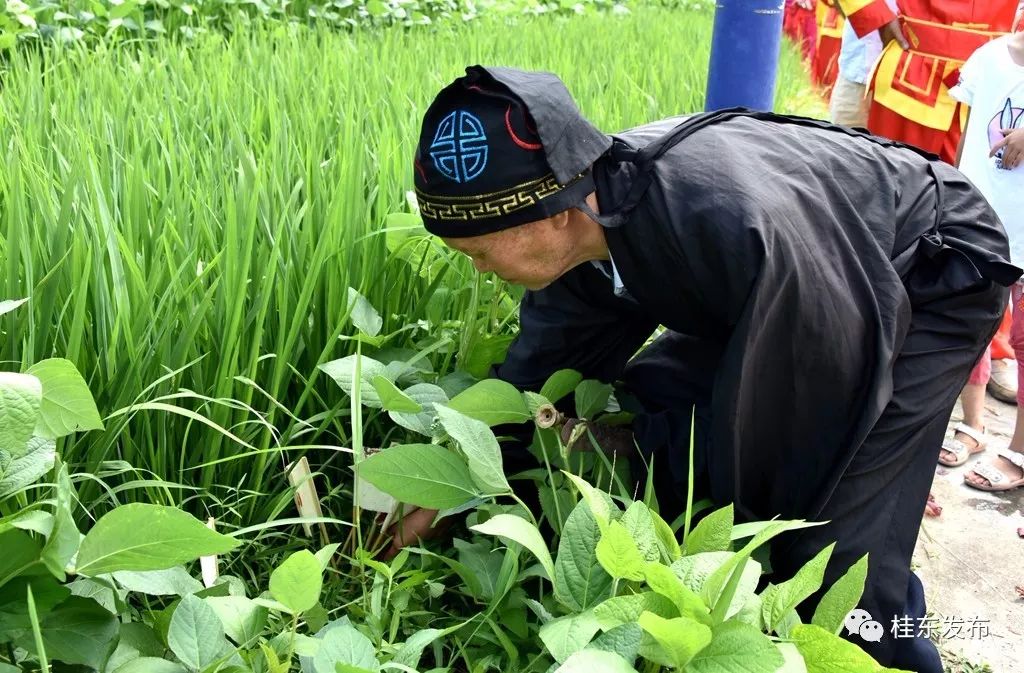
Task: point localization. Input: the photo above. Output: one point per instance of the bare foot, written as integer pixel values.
(1012, 472)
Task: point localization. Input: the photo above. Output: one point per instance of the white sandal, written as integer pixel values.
(961, 452)
(997, 479)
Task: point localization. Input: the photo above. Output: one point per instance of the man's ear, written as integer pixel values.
(561, 220)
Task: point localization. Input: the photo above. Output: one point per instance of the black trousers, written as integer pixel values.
(879, 502)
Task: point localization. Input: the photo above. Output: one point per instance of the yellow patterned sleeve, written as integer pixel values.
(866, 15)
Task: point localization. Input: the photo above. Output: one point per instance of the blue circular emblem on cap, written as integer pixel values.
(459, 149)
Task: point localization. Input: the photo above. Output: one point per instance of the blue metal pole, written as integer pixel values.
(744, 54)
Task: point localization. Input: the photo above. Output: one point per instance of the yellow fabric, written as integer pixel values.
(824, 30)
(851, 6)
(938, 116)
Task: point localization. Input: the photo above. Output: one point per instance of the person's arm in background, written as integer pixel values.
(869, 15)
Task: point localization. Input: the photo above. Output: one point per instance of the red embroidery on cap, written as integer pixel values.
(516, 139)
(423, 174)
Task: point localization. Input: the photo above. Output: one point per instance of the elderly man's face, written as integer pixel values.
(533, 255)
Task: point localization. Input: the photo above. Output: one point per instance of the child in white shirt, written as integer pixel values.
(991, 154)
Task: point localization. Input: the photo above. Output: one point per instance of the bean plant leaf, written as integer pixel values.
(364, 315)
(427, 395)
(21, 397)
(737, 647)
(481, 448)
(665, 583)
(618, 553)
(592, 661)
(591, 397)
(842, 597)
(36, 460)
(580, 581)
(712, 533)
(522, 531)
(297, 582)
(492, 401)
(789, 594)
(196, 636)
(393, 399)
(679, 638)
(560, 384)
(624, 640)
(825, 652)
(567, 635)
(78, 631)
(67, 405)
(345, 645)
(343, 371)
(8, 305)
(627, 609)
(141, 536)
(639, 523)
(425, 475)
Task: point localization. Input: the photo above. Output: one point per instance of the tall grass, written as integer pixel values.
(190, 218)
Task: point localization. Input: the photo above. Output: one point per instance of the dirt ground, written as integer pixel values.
(971, 560)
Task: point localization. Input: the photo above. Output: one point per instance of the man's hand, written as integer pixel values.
(613, 439)
(805, 4)
(1012, 145)
(412, 528)
(893, 31)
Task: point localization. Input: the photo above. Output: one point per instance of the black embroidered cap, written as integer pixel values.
(501, 147)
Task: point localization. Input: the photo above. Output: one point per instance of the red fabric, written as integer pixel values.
(869, 18)
(884, 122)
(826, 63)
(1001, 348)
(801, 26)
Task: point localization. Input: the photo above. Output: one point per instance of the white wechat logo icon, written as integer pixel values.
(859, 622)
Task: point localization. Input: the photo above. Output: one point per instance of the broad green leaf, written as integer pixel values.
(140, 536)
(842, 597)
(242, 619)
(62, 543)
(78, 631)
(343, 372)
(737, 647)
(492, 401)
(790, 593)
(393, 399)
(35, 461)
(47, 594)
(695, 570)
(427, 395)
(478, 567)
(170, 582)
(567, 635)
(34, 520)
(595, 661)
(134, 641)
(8, 305)
(297, 582)
(481, 448)
(667, 542)
(721, 586)
(150, 665)
(618, 553)
(196, 636)
(560, 384)
(665, 583)
(425, 475)
(825, 652)
(364, 315)
(21, 398)
(580, 581)
(680, 638)
(21, 552)
(627, 609)
(345, 645)
(67, 405)
(521, 531)
(640, 524)
(591, 398)
(325, 554)
(595, 499)
(624, 640)
(712, 533)
(793, 662)
(411, 651)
